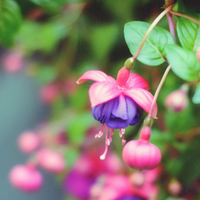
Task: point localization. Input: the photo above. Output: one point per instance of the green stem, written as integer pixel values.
(185, 16)
(158, 91)
(162, 14)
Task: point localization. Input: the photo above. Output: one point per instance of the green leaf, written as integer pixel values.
(196, 97)
(152, 52)
(10, 21)
(188, 33)
(183, 62)
(44, 37)
(78, 126)
(103, 39)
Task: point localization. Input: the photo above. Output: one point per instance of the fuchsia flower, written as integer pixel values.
(118, 103)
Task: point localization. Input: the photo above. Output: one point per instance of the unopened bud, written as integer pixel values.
(129, 63)
(140, 154)
(174, 187)
(177, 100)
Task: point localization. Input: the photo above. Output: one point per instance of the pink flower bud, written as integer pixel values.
(140, 154)
(51, 161)
(49, 93)
(26, 178)
(29, 142)
(174, 187)
(177, 100)
(13, 61)
(137, 179)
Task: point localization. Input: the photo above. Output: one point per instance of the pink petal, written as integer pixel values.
(101, 92)
(143, 98)
(95, 75)
(137, 81)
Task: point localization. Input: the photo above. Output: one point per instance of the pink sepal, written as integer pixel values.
(143, 98)
(101, 92)
(95, 75)
(137, 81)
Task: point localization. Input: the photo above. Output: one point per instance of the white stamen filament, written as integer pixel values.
(102, 157)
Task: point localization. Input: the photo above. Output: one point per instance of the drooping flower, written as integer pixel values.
(118, 103)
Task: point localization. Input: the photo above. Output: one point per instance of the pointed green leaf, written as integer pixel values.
(183, 62)
(188, 33)
(152, 52)
(10, 21)
(196, 97)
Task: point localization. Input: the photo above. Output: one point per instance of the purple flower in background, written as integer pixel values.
(129, 197)
(78, 185)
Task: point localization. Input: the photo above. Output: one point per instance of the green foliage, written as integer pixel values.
(183, 62)
(179, 122)
(43, 37)
(10, 21)
(196, 97)
(188, 33)
(49, 4)
(77, 127)
(160, 139)
(46, 74)
(152, 52)
(107, 34)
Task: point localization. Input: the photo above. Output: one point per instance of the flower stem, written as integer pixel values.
(158, 90)
(185, 16)
(171, 25)
(162, 14)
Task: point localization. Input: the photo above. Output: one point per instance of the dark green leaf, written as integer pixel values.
(188, 33)
(152, 52)
(196, 97)
(10, 21)
(183, 62)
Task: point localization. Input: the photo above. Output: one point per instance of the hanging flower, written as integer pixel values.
(118, 103)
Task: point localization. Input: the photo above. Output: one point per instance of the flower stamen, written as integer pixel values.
(122, 132)
(102, 157)
(98, 135)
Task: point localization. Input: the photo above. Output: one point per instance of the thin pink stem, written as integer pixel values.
(171, 25)
(158, 90)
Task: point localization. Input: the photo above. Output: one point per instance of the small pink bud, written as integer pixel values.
(198, 54)
(26, 178)
(177, 100)
(51, 161)
(174, 187)
(13, 61)
(140, 154)
(122, 76)
(49, 93)
(137, 179)
(29, 142)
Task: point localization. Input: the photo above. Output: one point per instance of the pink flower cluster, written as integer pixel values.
(27, 177)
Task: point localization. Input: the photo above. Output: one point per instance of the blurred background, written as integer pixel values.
(45, 47)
